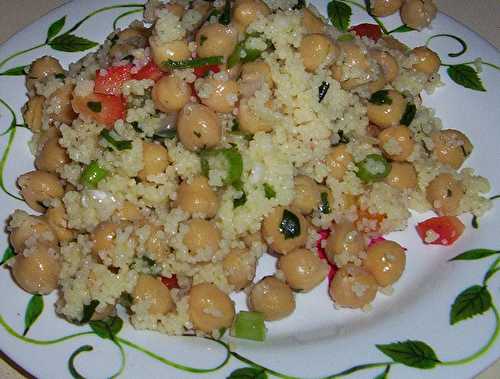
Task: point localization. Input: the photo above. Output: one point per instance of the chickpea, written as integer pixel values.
(198, 127)
(397, 142)
(103, 238)
(257, 70)
(239, 266)
(197, 197)
(272, 231)
(355, 59)
(175, 8)
(307, 194)
(223, 95)
(386, 115)
(246, 11)
(316, 50)
(152, 290)
(135, 33)
(451, 147)
(444, 193)
(312, 23)
(174, 51)
(156, 160)
(60, 103)
(210, 308)
(386, 261)
(202, 235)
(58, 221)
(33, 112)
(129, 212)
(303, 269)
(39, 186)
(52, 157)
(38, 271)
(418, 14)
(250, 239)
(41, 68)
(216, 40)
(171, 93)
(353, 287)
(428, 61)
(344, 239)
(402, 176)
(389, 65)
(338, 160)
(394, 44)
(33, 227)
(382, 8)
(273, 298)
(249, 121)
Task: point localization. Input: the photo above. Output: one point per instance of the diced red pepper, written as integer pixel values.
(371, 31)
(170, 282)
(103, 109)
(443, 230)
(110, 80)
(323, 235)
(150, 71)
(200, 72)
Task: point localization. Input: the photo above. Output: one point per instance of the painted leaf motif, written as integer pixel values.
(33, 311)
(71, 363)
(471, 302)
(475, 254)
(339, 14)
(411, 353)
(248, 373)
(15, 71)
(55, 28)
(402, 29)
(108, 328)
(466, 76)
(494, 268)
(70, 43)
(7, 255)
(385, 374)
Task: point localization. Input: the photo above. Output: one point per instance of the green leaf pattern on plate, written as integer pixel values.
(470, 303)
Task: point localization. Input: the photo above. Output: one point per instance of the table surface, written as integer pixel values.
(482, 16)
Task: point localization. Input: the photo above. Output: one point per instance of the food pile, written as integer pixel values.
(189, 145)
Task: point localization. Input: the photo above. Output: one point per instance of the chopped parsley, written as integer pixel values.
(117, 144)
(95, 106)
(381, 97)
(409, 114)
(323, 89)
(324, 205)
(269, 191)
(290, 225)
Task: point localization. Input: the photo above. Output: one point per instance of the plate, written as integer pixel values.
(317, 340)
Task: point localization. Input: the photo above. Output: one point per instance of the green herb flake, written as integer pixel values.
(33, 311)
(339, 14)
(409, 115)
(193, 63)
(301, 4)
(95, 106)
(240, 201)
(324, 205)
(203, 38)
(60, 76)
(475, 222)
(117, 144)
(88, 311)
(269, 191)
(380, 98)
(466, 76)
(225, 17)
(236, 126)
(197, 134)
(323, 90)
(290, 225)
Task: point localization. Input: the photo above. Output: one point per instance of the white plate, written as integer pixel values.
(316, 340)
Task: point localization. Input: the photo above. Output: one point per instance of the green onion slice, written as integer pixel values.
(250, 326)
(192, 63)
(373, 168)
(117, 144)
(93, 174)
